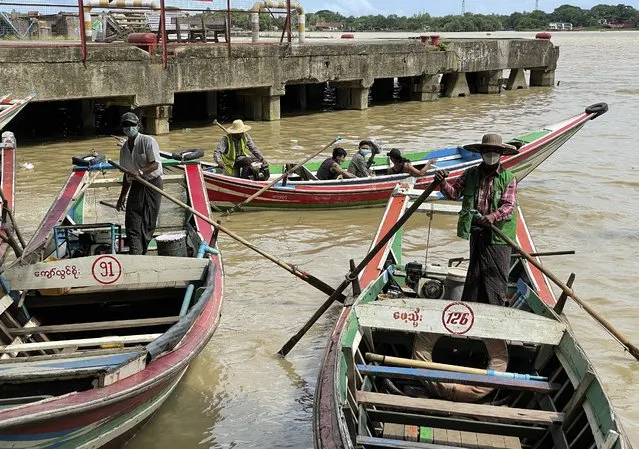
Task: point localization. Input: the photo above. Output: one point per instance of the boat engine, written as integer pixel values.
(426, 284)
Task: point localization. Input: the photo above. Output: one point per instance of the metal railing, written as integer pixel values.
(149, 24)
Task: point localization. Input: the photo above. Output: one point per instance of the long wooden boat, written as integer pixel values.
(549, 396)
(534, 147)
(10, 107)
(94, 339)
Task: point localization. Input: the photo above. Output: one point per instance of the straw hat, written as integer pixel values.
(492, 142)
(238, 127)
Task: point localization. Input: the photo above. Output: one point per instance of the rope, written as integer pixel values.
(430, 222)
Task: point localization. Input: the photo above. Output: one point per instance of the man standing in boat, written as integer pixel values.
(359, 166)
(140, 155)
(236, 151)
(331, 168)
(489, 198)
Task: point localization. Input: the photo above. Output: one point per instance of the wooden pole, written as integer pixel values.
(353, 274)
(632, 349)
(412, 363)
(12, 218)
(239, 206)
(561, 302)
(306, 277)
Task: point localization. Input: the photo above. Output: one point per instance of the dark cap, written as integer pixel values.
(394, 154)
(129, 117)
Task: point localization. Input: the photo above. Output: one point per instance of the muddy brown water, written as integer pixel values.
(238, 394)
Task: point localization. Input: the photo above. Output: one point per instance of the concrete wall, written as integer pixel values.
(131, 76)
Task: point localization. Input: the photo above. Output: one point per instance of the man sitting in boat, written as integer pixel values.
(331, 168)
(236, 151)
(402, 165)
(359, 166)
(489, 197)
(140, 155)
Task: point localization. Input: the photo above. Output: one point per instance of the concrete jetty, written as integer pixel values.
(261, 74)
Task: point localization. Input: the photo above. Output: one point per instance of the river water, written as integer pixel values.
(238, 394)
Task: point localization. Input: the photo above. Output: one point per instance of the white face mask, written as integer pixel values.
(130, 131)
(491, 157)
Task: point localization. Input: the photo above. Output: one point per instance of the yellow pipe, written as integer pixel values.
(255, 18)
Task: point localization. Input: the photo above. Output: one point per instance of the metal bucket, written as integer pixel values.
(173, 244)
(454, 285)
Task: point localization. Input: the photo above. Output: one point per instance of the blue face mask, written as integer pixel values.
(364, 152)
(130, 131)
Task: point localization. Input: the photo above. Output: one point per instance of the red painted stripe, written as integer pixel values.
(57, 211)
(8, 176)
(537, 277)
(199, 199)
(391, 215)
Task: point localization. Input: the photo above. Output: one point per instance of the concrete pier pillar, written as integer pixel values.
(271, 108)
(315, 95)
(210, 99)
(426, 88)
(261, 103)
(156, 119)
(383, 89)
(455, 85)
(542, 77)
(406, 84)
(353, 94)
(88, 117)
(489, 82)
(516, 80)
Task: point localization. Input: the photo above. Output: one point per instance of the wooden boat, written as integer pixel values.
(10, 107)
(364, 399)
(297, 193)
(94, 339)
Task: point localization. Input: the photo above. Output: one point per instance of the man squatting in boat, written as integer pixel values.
(140, 156)
(331, 168)
(489, 197)
(236, 151)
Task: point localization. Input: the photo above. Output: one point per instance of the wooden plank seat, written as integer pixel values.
(63, 367)
(93, 326)
(79, 343)
(420, 374)
(101, 270)
(487, 321)
(447, 408)
(424, 420)
(365, 441)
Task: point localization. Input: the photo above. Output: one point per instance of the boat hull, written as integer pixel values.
(106, 416)
(226, 191)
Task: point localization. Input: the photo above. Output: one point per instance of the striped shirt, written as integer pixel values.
(453, 190)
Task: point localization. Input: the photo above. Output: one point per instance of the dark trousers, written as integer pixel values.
(142, 209)
(487, 277)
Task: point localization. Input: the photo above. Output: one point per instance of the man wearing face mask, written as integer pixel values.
(489, 197)
(140, 156)
(359, 166)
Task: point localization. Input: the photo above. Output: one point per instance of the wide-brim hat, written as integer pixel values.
(238, 127)
(492, 142)
(129, 117)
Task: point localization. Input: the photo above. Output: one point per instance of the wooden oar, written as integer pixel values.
(239, 206)
(412, 363)
(353, 274)
(13, 221)
(303, 275)
(632, 349)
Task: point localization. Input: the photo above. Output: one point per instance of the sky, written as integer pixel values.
(443, 8)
